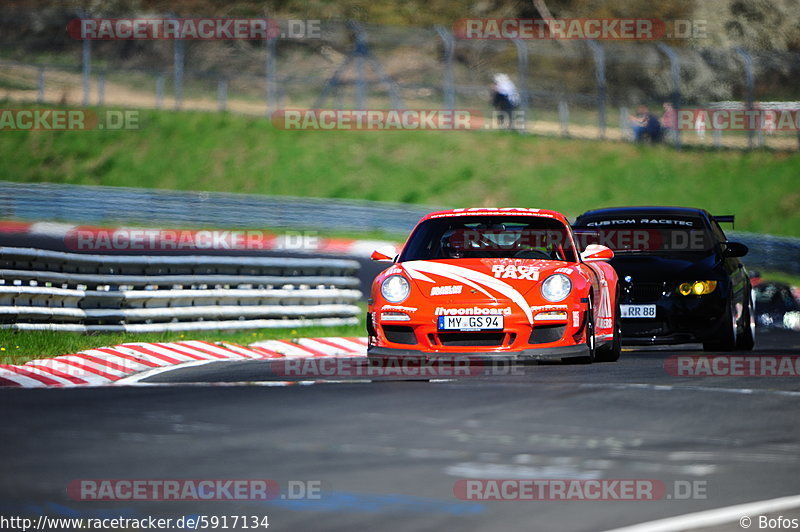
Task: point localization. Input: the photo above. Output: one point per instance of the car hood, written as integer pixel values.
(664, 268)
(466, 280)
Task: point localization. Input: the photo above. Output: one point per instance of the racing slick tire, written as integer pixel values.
(591, 346)
(745, 340)
(726, 339)
(611, 351)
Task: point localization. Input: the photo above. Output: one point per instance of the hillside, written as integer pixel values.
(224, 152)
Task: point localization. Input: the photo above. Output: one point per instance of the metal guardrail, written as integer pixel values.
(54, 290)
(98, 205)
(769, 252)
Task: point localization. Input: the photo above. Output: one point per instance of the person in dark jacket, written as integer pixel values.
(646, 125)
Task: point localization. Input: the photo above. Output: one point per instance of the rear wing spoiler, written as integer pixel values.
(725, 219)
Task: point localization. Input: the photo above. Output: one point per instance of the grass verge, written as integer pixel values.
(231, 153)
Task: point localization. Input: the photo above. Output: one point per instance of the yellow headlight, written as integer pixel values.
(697, 288)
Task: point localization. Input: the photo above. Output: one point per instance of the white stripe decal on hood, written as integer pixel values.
(414, 274)
(464, 280)
(470, 277)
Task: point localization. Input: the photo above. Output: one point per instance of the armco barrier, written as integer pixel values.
(96, 205)
(76, 292)
(101, 205)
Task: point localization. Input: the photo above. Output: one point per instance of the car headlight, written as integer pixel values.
(697, 288)
(556, 287)
(395, 288)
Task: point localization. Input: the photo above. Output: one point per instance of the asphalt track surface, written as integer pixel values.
(387, 453)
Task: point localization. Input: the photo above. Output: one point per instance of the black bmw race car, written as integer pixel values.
(681, 281)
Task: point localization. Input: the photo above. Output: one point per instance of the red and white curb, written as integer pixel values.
(88, 239)
(122, 363)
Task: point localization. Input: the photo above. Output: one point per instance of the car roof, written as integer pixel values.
(497, 211)
(639, 210)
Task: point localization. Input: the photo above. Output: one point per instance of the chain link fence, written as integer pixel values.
(578, 88)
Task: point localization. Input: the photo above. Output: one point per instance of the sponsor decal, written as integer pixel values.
(446, 290)
(576, 318)
(472, 311)
(629, 221)
(510, 271)
(480, 211)
(398, 308)
(489, 209)
(539, 308)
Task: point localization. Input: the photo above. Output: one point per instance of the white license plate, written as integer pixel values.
(470, 323)
(638, 311)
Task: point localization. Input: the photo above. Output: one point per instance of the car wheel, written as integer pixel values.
(612, 351)
(591, 348)
(747, 336)
(726, 339)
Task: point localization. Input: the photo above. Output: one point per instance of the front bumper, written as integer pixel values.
(543, 353)
(679, 319)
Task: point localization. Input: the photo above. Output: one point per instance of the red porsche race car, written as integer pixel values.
(506, 283)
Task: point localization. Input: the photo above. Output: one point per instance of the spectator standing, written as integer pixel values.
(669, 122)
(505, 98)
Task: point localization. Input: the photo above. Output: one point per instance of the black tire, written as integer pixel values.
(746, 338)
(611, 351)
(726, 338)
(591, 348)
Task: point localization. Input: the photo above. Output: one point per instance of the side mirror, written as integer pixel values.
(596, 252)
(384, 254)
(734, 249)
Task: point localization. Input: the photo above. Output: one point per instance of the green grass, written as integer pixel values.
(781, 277)
(18, 347)
(231, 153)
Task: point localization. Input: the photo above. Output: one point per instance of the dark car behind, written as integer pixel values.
(681, 280)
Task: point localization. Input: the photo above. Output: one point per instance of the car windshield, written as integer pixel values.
(467, 237)
(646, 233)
